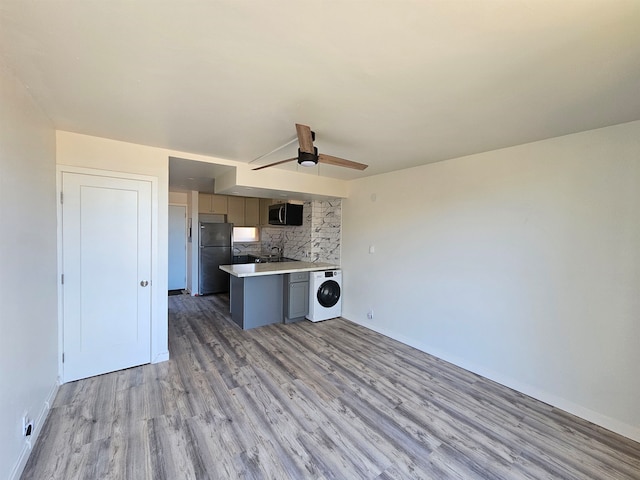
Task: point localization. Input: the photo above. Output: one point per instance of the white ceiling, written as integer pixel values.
(389, 83)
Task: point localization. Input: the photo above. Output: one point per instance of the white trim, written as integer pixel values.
(59, 270)
(18, 468)
(604, 421)
(195, 242)
(161, 357)
(156, 314)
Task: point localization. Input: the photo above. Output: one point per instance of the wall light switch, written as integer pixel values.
(372, 249)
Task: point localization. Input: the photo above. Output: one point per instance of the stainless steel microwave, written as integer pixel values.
(285, 214)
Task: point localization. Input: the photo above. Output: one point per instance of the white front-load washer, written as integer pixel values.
(325, 295)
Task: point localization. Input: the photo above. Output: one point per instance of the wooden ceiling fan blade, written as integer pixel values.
(305, 138)
(276, 163)
(340, 162)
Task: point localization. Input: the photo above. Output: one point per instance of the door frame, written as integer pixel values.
(156, 320)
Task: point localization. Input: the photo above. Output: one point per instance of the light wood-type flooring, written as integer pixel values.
(330, 400)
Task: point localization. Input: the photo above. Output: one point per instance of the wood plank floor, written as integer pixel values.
(330, 400)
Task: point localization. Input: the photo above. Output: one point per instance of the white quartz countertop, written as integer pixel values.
(258, 269)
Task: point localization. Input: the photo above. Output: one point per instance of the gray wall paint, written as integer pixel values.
(521, 264)
(28, 288)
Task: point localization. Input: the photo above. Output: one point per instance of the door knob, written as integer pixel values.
(144, 283)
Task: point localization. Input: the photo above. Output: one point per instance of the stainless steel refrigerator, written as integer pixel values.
(216, 248)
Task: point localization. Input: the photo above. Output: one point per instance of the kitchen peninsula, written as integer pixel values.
(256, 296)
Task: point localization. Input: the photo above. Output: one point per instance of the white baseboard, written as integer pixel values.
(604, 421)
(161, 357)
(37, 427)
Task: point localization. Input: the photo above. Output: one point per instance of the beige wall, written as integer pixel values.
(284, 180)
(521, 264)
(28, 270)
(178, 198)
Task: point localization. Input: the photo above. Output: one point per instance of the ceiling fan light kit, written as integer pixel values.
(308, 154)
(307, 159)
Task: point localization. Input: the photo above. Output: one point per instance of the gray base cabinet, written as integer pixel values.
(296, 296)
(256, 301)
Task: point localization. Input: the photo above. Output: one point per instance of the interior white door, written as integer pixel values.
(106, 258)
(177, 247)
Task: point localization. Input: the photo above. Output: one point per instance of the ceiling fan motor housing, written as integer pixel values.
(307, 159)
(308, 154)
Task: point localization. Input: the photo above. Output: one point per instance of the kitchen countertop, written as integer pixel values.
(259, 269)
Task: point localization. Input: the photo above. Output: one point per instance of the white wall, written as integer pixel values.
(521, 264)
(100, 153)
(28, 272)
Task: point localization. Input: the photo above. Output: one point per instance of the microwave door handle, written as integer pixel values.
(280, 210)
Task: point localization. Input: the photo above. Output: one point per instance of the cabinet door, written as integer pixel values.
(298, 299)
(235, 212)
(251, 212)
(219, 204)
(204, 203)
(264, 210)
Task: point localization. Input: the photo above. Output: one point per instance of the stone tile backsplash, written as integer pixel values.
(316, 240)
(326, 231)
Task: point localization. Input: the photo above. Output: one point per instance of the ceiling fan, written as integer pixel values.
(308, 155)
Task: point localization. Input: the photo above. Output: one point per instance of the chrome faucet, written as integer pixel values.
(278, 250)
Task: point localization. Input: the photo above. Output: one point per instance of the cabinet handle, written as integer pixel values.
(144, 283)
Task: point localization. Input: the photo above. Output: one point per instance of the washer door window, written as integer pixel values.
(328, 293)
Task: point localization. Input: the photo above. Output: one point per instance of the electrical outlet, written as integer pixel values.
(27, 426)
(370, 314)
